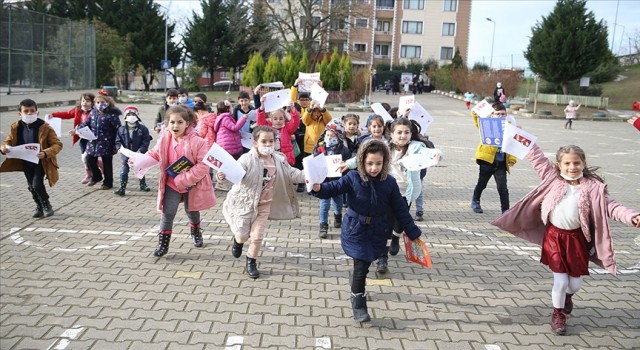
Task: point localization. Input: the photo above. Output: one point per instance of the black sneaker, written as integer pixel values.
(300, 188)
(394, 247)
(236, 248)
(419, 216)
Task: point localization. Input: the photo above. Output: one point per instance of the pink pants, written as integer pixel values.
(256, 233)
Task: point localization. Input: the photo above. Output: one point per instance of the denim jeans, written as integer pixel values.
(336, 203)
(420, 199)
(124, 169)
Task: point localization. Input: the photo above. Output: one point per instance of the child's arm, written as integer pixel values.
(306, 117)
(293, 124)
(232, 125)
(619, 212)
(53, 145)
(261, 117)
(256, 97)
(294, 91)
(326, 116)
(541, 164)
(119, 140)
(475, 120)
(146, 140)
(332, 188)
(70, 114)
(296, 175)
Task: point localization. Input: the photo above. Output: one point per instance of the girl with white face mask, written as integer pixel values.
(265, 192)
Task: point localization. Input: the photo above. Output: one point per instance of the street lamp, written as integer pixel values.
(166, 38)
(492, 40)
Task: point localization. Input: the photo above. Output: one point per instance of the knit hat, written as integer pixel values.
(336, 126)
(131, 109)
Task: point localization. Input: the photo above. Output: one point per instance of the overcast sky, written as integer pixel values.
(513, 21)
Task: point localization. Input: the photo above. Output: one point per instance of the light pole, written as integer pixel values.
(492, 40)
(166, 43)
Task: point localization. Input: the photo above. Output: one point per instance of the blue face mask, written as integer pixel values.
(331, 142)
(103, 107)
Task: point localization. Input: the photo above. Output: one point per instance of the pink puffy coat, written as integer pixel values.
(201, 195)
(529, 217)
(228, 133)
(205, 128)
(286, 131)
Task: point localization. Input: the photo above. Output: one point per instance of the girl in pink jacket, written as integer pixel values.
(227, 129)
(183, 176)
(568, 215)
(284, 128)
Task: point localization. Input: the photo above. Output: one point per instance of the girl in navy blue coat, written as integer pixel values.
(371, 194)
(134, 136)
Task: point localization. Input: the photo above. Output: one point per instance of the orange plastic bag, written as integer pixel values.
(417, 251)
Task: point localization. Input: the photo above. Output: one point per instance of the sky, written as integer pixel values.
(513, 22)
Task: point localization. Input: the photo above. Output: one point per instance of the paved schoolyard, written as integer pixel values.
(85, 277)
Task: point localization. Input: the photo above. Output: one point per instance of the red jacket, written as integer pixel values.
(286, 131)
(78, 116)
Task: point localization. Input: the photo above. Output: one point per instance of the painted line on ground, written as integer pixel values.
(323, 343)
(234, 342)
(66, 337)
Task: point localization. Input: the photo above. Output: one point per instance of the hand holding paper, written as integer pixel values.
(220, 160)
(315, 170)
(141, 162)
(27, 151)
(86, 133)
(56, 124)
(379, 110)
(276, 99)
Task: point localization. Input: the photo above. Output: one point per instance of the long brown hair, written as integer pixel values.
(588, 171)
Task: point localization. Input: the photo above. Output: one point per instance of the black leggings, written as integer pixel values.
(359, 278)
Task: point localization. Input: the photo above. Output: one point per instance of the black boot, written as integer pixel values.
(394, 247)
(359, 307)
(120, 191)
(383, 264)
(46, 208)
(324, 229)
(164, 238)
(337, 220)
(252, 268)
(236, 248)
(196, 235)
(38, 213)
(143, 185)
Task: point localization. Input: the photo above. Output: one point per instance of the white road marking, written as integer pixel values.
(66, 337)
(234, 343)
(323, 343)
(492, 347)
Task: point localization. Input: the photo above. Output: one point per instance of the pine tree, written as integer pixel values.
(252, 74)
(290, 68)
(272, 70)
(567, 44)
(304, 62)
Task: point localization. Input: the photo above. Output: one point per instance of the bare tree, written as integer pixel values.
(308, 22)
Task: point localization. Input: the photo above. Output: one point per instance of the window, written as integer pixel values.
(385, 4)
(274, 1)
(451, 5)
(411, 27)
(362, 22)
(224, 75)
(381, 50)
(448, 29)
(414, 4)
(338, 23)
(315, 20)
(383, 26)
(360, 47)
(362, 1)
(446, 53)
(410, 51)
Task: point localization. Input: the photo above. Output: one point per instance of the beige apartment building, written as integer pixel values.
(390, 31)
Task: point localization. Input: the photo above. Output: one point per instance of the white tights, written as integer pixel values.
(563, 284)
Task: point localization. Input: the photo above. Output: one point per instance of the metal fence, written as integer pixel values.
(586, 101)
(41, 52)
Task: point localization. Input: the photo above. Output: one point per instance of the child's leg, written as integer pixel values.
(170, 204)
(96, 174)
(559, 290)
(194, 223)
(257, 231)
(358, 295)
(107, 161)
(575, 283)
(336, 203)
(324, 210)
(501, 182)
(484, 174)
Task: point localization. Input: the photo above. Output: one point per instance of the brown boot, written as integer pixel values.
(559, 322)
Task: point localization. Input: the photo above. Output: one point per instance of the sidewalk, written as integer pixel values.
(44, 99)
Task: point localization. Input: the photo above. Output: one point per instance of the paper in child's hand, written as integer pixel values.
(417, 251)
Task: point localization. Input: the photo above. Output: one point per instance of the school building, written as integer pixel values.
(386, 31)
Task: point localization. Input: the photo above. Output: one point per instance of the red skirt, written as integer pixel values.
(565, 251)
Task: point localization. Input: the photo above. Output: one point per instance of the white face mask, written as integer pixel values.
(131, 119)
(171, 104)
(570, 178)
(29, 118)
(265, 150)
(182, 99)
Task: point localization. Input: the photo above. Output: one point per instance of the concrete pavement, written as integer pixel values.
(85, 277)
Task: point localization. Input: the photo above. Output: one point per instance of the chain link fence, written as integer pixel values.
(40, 52)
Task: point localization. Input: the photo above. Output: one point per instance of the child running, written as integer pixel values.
(191, 186)
(79, 114)
(135, 137)
(568, 215)
(31, 129)
(265, 192)
(371, 194)
(330, 144)
(570, 113)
